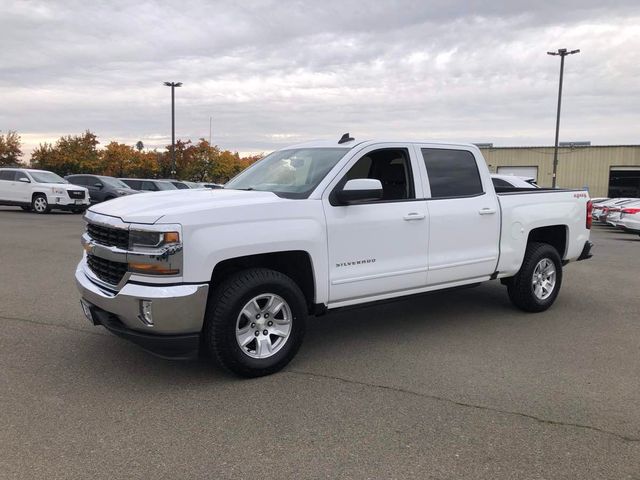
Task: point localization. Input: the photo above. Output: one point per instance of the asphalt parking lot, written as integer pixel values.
(446, 386)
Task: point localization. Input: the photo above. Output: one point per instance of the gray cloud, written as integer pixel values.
(272, 73)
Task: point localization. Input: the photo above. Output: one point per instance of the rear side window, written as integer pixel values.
(498, 182)
(78, 180)
(135, 184)
(7, 175)
(149, 186)
(452, 173)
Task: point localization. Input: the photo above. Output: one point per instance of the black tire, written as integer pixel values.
(224, 307)
(108, 198)
(521, 288)
(39, 203)
(26, 209)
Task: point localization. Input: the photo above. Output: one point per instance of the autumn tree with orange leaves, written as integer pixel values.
(199, 162)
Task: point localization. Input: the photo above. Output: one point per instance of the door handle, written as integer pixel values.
(414, 216)
(487, 211)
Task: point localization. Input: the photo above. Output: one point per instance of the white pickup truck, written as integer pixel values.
(235, 272)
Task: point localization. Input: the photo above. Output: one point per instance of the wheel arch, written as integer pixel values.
(554, 235)
(296, 264)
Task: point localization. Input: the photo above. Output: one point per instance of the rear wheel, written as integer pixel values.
(39, 203)
(537, 284)
(255, 322)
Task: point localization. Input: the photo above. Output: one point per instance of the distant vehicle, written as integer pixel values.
(212, 185)
(613, 217)
(600, 209)
(40, 191)
(630, 219)
(149, 184)
(512, 181)
(184, 184)
(101, 187)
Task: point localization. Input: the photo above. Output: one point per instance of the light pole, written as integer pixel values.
(173, 86)
(562, 52)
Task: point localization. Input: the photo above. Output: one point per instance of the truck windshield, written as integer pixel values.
(46, 177)
(288, 173)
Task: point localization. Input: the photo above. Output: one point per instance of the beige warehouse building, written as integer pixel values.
(606, 170)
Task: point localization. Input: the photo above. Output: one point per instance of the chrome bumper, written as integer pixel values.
(176, 309)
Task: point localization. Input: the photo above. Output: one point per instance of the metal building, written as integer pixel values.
(606, 170)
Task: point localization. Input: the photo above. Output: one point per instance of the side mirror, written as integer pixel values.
(359, 190)
(24, 180)
(98, 184)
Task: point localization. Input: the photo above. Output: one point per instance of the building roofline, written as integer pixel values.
(559, 147)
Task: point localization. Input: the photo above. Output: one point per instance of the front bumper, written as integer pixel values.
(177, 311)
(64, 202)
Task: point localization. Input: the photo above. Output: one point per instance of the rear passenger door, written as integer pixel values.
(464, 217)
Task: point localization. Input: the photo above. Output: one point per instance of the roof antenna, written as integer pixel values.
(345, 138)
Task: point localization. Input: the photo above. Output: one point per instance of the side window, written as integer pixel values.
(392, 167)
(79, 180)
(135, 184)
(452, 173)
(499, 183)
(150, 186)
(8, 175)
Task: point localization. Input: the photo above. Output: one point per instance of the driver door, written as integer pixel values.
(380, 246)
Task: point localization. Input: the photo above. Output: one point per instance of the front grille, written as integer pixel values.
(111, 237)
(106, 270)
(75, 193)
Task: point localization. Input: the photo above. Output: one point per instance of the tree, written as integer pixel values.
(139, 145)
(10, 151)
(71, 154)
(118, 159)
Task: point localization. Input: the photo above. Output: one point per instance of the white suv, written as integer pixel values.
(40, 191)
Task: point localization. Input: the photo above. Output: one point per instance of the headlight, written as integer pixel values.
(58, 191)
(155, 252)
(123, 192)
(138, 238)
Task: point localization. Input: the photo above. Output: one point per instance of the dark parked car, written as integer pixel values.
(100, 187)
(149, 184)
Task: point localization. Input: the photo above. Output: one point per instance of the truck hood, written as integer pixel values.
(150, 207)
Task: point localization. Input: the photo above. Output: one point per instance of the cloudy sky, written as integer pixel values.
(271, 73)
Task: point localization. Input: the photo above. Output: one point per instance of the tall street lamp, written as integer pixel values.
(562, 52)
(173, 86)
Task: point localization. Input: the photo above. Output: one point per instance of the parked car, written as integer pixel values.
(40, 191)
(512, 181)
(613, 215)
(148, 184)
(630, 218)
(600, 210)
(183, 184)
(101, 188)
(610, 208)
(316, 227)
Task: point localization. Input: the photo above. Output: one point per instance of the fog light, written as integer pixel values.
(145, 313)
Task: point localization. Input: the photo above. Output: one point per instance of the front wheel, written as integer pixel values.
(39, 203)
(255, 322)
(537, 284)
